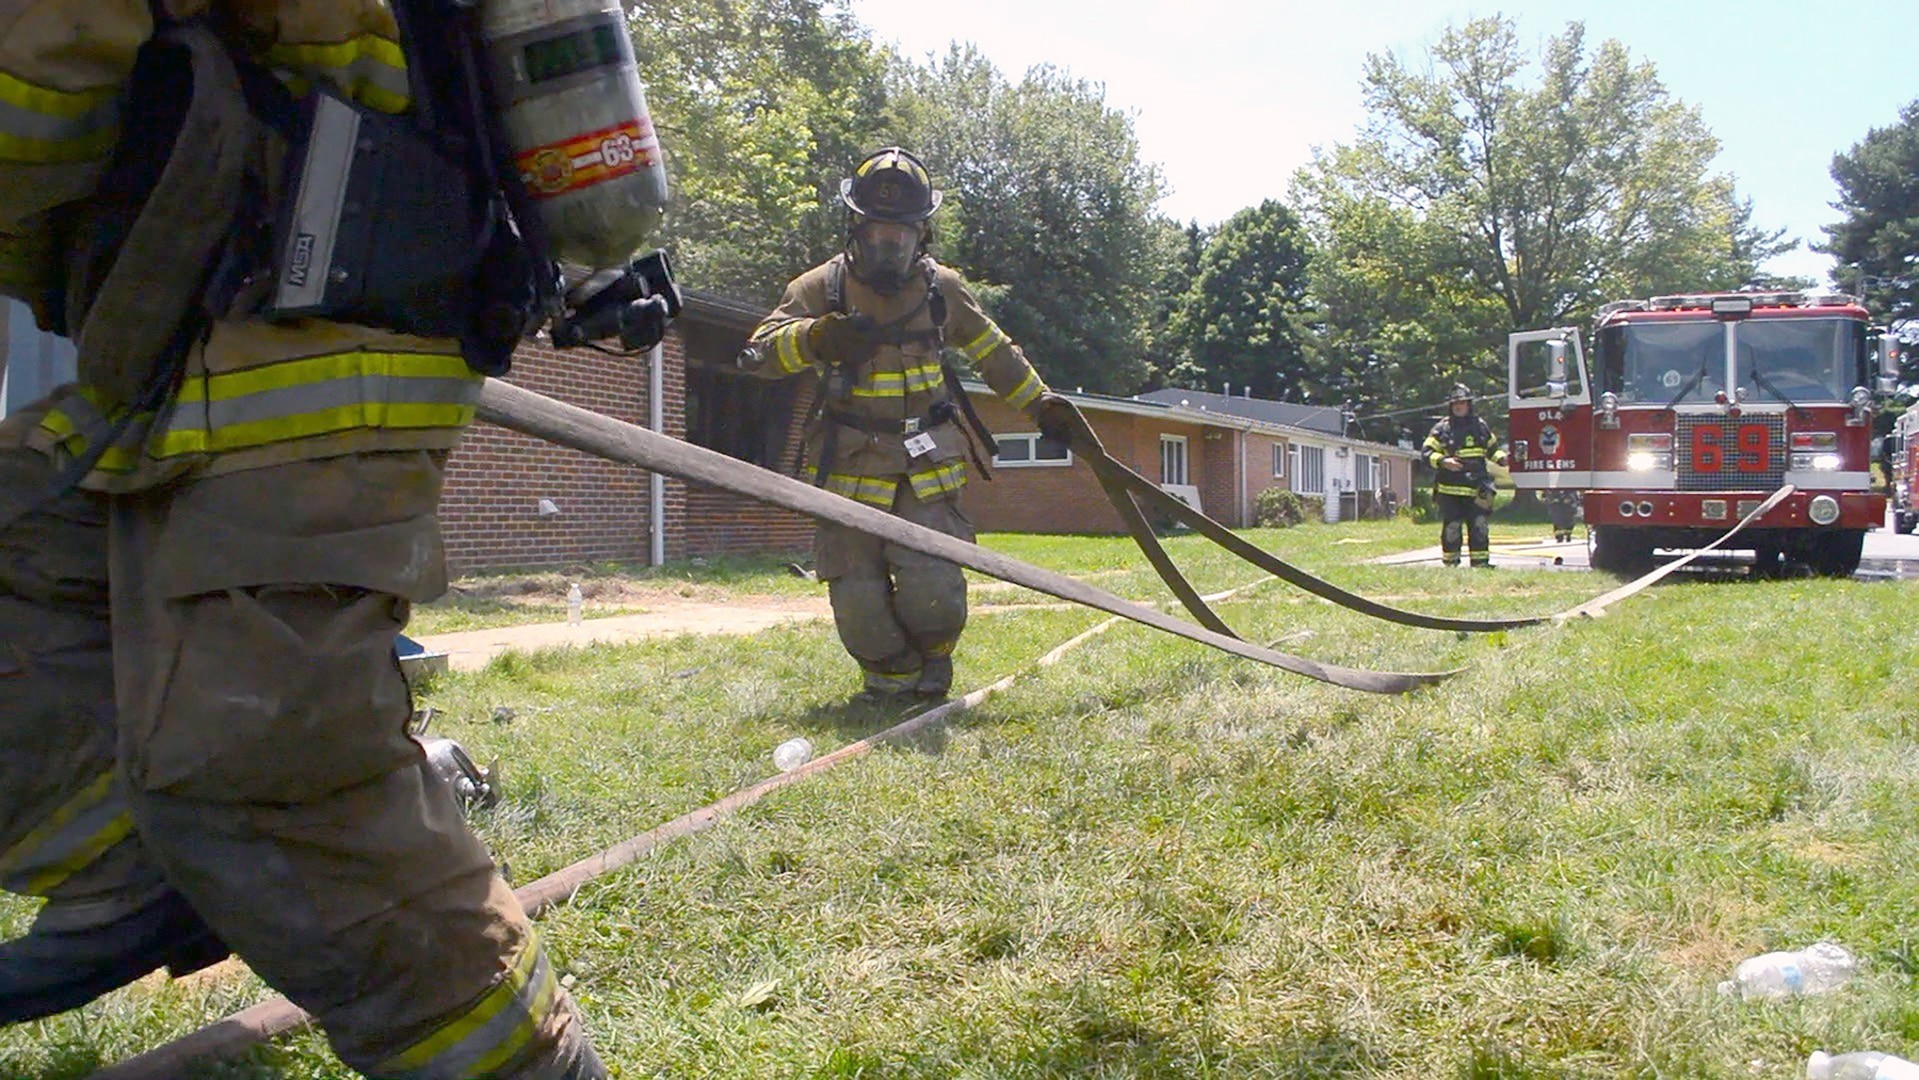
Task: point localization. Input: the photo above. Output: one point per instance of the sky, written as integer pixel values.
(1784, 86)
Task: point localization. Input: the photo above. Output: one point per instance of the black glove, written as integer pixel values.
(840, 339)
(1054, 414)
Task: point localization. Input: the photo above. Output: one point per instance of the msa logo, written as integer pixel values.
(301, 260)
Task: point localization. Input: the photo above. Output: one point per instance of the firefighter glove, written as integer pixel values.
(839, 339)
(1054, 413)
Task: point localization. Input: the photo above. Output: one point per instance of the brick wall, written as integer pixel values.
(495, 479)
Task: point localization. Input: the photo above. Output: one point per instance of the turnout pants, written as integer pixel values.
(898, 612)
(198, 687)
(1459, 513)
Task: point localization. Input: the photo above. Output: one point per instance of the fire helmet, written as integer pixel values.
(890, 185)
(1460, 393)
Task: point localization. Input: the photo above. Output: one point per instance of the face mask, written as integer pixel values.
(884, 253)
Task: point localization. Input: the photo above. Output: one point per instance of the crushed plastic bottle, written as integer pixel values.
(1812, 970)
(575, 602)
(1863, 1065)
(792, 754)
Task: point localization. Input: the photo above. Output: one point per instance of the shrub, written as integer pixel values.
(1278, 508)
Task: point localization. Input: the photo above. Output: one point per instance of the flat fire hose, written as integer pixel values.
(1126, 489)
(1124, 486)
(534, 414)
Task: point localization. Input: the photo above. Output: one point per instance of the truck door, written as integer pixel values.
(1549, 396)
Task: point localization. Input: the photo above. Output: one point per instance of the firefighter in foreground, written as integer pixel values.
(207, 548)
(1458, 449)
(874, 322)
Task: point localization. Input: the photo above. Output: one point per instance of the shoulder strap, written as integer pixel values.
(836, 285)
(935, 297)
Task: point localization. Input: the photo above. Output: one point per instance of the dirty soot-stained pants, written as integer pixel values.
(898, 612)
(1457, 513)
(245, 626)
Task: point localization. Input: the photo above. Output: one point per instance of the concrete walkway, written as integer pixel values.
(471, 650)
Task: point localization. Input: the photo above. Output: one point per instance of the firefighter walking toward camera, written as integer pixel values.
(893, 428)
(208, 546)
(1459, 449)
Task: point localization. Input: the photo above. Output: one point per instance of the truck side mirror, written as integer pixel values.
(1888, 362)
(1556, 377)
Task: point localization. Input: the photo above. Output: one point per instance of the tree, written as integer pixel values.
(1178, 249)
(762, 106)
(1048, 208)
(1877, 243)
(1239, 320)
(1475, 202)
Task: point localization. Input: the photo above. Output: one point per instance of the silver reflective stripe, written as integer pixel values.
(46, 127)
(70, 839)
(489, 1035)
(275, 404)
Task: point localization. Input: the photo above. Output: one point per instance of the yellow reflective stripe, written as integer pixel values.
(989, 339)
(1027, 391)
(867, 489)
(491, 1033)
(68, 841)
(368, 68)
(939, 481)
(367, 414)
(228, 385)
(40, 125)
(786, 348)
(884, 384)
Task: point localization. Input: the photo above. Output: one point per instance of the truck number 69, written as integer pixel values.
(1749, 451)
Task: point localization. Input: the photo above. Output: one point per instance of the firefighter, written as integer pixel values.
(208, 545)
(874, 321)
(1562, 507)
(1458, 449)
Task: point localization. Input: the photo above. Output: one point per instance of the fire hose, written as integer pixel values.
(534, 414)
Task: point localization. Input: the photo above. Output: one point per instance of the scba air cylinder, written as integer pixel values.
(576, 118)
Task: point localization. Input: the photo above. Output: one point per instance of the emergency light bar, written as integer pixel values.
(1732, 303)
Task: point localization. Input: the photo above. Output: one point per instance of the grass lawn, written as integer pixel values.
(1153, 860)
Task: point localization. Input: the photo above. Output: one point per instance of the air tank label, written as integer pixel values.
(585, 160)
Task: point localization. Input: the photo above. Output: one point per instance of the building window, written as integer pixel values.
(1363, 476)
(1172, 459)
(1311, 477)
(745, 418)
(1279, 461)
(1030, 449)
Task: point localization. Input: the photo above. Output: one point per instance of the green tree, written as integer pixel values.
(1477, 201)
(1876, 244)
(1177, 253)
(1048, 208)
(762, 105)
(1239, 321)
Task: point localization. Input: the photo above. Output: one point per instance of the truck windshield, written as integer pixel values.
(1798, 360)
(1651, 362)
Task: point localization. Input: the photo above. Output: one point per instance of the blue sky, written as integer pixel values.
(1783, 85)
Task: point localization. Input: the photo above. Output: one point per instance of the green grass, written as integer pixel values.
(1152, 860)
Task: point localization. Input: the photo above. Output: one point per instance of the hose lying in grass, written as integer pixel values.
(262, 1022)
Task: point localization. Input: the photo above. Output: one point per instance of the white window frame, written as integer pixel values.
(1185, 460)
(1365, 472)
(1033, 461)
(1304, 474)
(1280, 455)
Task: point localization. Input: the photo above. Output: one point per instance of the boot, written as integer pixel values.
(936, 677)
(67, 959)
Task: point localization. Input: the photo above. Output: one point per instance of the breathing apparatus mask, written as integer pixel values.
(511, 196)
(889, 199)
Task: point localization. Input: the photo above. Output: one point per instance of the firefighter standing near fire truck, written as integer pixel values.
(874, 321)
(229, 525)
(1459, 449)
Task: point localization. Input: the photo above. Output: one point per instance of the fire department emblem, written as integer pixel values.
(1549, 441)
(552, 169)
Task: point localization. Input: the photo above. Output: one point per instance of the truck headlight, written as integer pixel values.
(1648, 452)
(1823, 509)
(1815, 451)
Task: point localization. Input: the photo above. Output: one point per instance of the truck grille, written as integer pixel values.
(1727, 453)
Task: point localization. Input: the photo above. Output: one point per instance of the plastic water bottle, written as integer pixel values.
(792, 754)
(1812, 970)
(574, 602)
(1865, 1065)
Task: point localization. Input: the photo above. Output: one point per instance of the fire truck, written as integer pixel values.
(1695, 409)
(1902, 464)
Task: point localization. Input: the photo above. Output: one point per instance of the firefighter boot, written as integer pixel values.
(72, 956)
(936, 677)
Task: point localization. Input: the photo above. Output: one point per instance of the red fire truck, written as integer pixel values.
(1693, 411)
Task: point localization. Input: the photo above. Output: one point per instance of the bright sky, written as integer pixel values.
(1230, 96)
